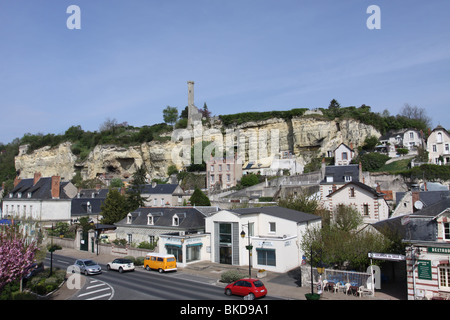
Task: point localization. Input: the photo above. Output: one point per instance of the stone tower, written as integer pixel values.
(193, 114)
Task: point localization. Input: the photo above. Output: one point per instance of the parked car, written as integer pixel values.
(121, 265)
(253, 288)
(160, 262)
(88, 266)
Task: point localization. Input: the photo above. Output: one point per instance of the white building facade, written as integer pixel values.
(274, 234)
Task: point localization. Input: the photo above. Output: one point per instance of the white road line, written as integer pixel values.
(95, 286)
(92, 292)
(98, 297)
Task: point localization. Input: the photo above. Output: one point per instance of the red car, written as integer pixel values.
(253, 288)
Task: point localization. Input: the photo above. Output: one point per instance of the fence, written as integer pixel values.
(355, 278)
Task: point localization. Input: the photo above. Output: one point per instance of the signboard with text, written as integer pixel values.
(386, 256)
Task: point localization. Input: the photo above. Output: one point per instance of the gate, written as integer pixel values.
(84, 241)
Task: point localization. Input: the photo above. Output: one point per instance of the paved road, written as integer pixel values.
(143, 285)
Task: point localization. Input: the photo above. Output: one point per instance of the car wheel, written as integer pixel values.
(120, 270)
(160, 270)
(228, 292)
(85, 272)
(147, 268)
(108, 267)
(251, 296)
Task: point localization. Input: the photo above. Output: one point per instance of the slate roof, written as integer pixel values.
(159, 189)
(340, 172)
(79, 206)
(189, 217)
(427, 197)
(360, 185)
(42, 190)
(279, 212)
(421, 226)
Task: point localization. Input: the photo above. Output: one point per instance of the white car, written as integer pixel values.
(121, 265)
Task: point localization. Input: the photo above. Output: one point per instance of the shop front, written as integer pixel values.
(428, 271)
(186, 248)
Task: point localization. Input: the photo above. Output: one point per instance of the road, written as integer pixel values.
(143, 285)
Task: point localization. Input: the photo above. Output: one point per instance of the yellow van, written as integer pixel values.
(160, 262)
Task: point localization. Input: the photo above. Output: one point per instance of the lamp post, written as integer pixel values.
(249, 248)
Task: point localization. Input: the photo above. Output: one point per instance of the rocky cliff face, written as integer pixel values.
(305, 137)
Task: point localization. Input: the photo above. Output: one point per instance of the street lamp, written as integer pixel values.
(249, 248)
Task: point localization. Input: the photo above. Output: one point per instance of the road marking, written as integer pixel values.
(97, 284)
(92, 292)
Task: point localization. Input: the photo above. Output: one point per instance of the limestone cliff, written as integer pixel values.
(305, 137)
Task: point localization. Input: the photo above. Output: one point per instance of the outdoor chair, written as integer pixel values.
(337, 287)
(347, 287)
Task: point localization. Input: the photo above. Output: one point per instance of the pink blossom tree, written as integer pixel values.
(16, 255)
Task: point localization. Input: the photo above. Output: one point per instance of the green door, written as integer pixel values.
(84, 241)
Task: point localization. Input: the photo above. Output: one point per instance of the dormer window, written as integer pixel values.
(11, 195)
(129, 218)
(175, 221)
(19, 195)
(29, 195)
(149, 219)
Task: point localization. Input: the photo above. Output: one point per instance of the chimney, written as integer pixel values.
(55, 186)
(37, 176)
(415, 198)
(378, 188)
(17, 181)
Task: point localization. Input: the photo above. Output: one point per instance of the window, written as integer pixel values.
(175, 221)
(348, 178)
(266, 257)
(444, 277)
(228, 167)
(446, 148)
(212, 179)
(439, 137)
(225, 233)
(151, 239)
(212, 168)
(434, 148)
(366, 209)
(162, 202)
(220, 167)
(155, 202)
(344, 155)
(447, 231)
(149, 219)
(411, 135)
(272, 227)
(352, 192)
(130, 238)
(129, 218)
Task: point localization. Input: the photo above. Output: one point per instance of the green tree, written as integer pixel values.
(198, 198)
(134, 198)
(114, 208)
(170, 115)
(249, 180)
(334, 108)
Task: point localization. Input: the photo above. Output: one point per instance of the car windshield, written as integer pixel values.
(258, 284)
(90, 263)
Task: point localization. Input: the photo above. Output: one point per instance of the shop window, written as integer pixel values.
(266, 257)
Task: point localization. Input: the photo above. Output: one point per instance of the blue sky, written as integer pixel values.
(131, 59)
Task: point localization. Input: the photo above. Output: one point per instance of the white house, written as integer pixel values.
(369, 202)
(160, 195)
(438, 146)
(409, 139)
(343, 155)
(274, 234)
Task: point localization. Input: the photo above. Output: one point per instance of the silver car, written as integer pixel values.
(88, 266)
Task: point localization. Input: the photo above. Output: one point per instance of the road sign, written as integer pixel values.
(387, 256)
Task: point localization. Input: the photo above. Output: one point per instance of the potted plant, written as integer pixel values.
(261, 273)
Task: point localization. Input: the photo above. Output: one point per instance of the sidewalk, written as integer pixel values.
(277, 284)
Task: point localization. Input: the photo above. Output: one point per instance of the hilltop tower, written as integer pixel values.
(193, 114)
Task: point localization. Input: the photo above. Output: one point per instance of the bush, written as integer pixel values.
(139, 261)
(231, 276)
